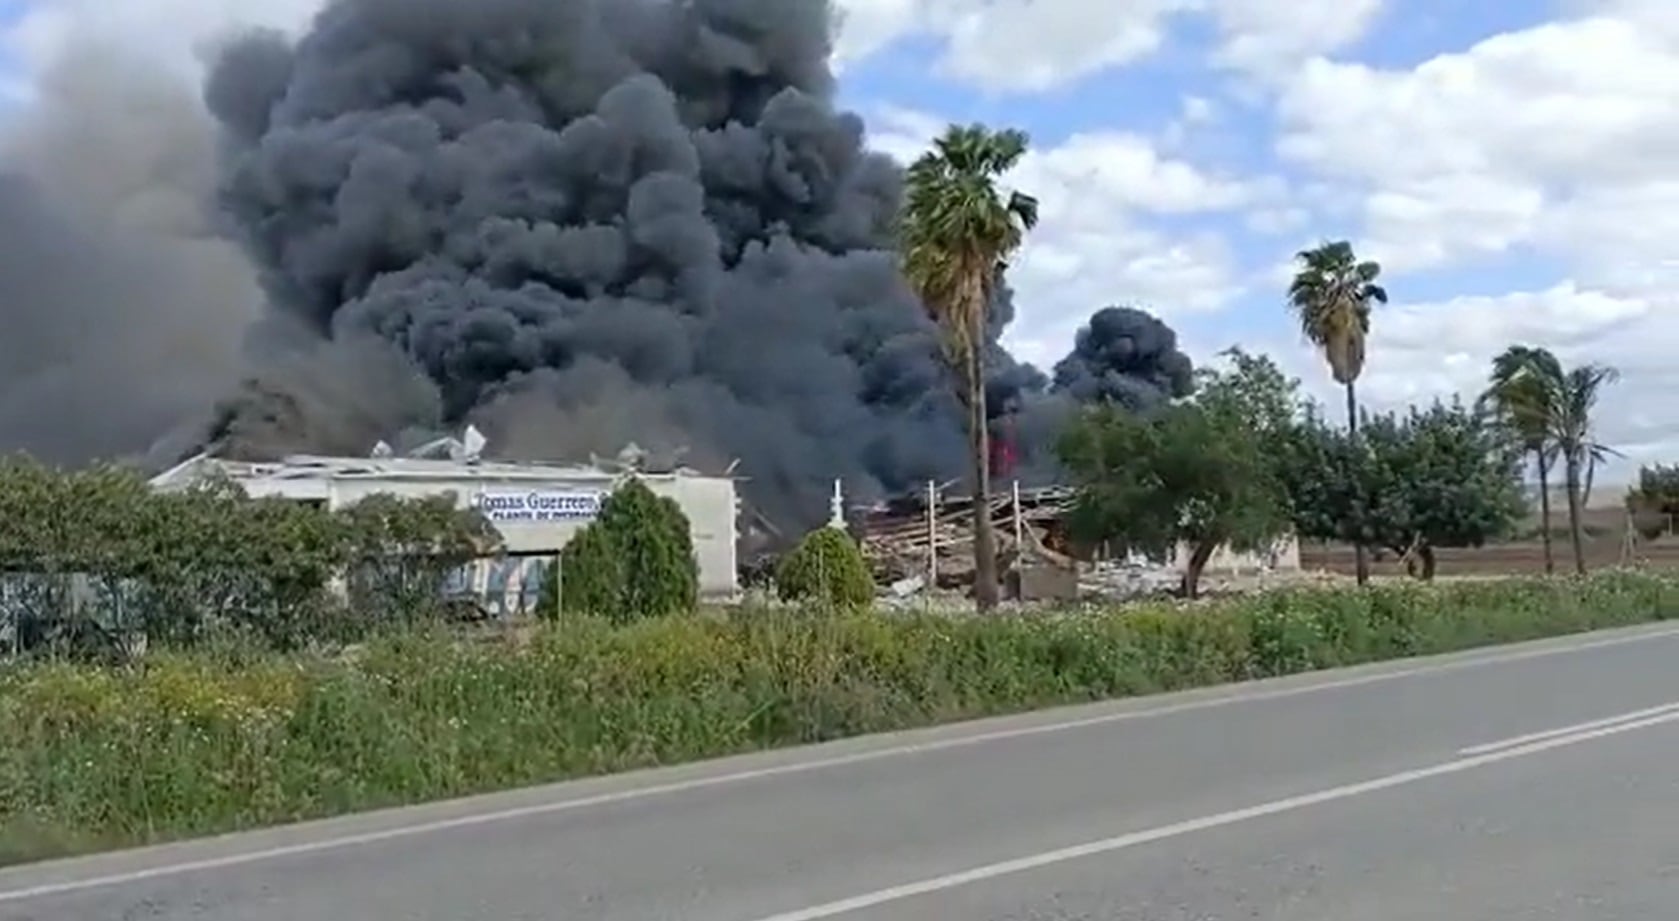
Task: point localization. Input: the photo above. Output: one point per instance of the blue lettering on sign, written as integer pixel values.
(538, 506)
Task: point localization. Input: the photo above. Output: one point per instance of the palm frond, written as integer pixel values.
(957, 229)
(1526, 386)
(1330, 296)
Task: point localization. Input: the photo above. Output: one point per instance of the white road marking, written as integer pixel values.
(1148, 836)
(473, 820)
(1569, 730)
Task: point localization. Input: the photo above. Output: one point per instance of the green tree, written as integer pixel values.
(1576, 437)
(1331, 297)
(635, 561)
(1191, 474)
(1255, 392)
(1430, 478)
(1566, 400)
(826, 567)
(1654, 500)
(1518, 394)
(400, 552)
(95, 560)
(588, 579)
(957, 232)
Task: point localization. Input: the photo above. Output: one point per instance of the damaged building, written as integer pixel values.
(536, 507)
(926, 540)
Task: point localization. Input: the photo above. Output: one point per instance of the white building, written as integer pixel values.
(537, 508)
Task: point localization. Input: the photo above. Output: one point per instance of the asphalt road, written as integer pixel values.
(1529, 782)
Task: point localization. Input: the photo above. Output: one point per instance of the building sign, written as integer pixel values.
(538, 505)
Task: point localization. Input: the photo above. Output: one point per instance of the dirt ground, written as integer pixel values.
(1525, 558)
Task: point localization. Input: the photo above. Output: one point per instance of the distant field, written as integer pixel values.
(1526, 557)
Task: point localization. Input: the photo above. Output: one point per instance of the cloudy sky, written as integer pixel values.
(1514, 165)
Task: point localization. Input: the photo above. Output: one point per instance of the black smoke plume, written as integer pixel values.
(1127, 357)
(577, 224)
(1122, 355)
(586, 222)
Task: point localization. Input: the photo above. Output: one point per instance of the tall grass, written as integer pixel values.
(201, 743)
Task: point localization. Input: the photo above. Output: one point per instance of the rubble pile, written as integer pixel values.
(904, 544)
(1128, 579)
(911, 541)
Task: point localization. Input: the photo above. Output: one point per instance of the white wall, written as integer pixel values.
(709, 503)
(1284, 556)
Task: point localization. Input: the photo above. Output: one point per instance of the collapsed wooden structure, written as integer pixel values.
(928, 538)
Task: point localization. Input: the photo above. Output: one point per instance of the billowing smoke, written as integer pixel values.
(123, 309)
(1127, 357)
(576, 223)
(1122, 355)
(586, 222)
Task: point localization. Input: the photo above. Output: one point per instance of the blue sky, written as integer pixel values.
(1149, 97)
(1513, 165)
(1473, 149)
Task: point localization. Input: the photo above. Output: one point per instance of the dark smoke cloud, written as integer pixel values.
(1122, 355)
(123, 310)
(576, 224)
(1127, 357)
(334, 397)
(592, 221)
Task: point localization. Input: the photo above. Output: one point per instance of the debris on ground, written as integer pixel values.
(912, 549)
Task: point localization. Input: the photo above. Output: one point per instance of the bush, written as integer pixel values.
(826, 568)
(588, 580)
(635, 561)
(199, 744)
(93, 562)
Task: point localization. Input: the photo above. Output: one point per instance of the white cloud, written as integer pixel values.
(1195, 113)
(1286, 219)
(1046, 43)
(1061, 278)
(1090, 248)
(1266, 38)
(865, 26)
(1559, 143)
(173, 33)
(1197, 110)
(1024, 46)
(1424, 351)
(1124, 171)
(1542, 136)
(1560, 140)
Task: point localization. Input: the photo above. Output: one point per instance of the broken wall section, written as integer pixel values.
(927, 540)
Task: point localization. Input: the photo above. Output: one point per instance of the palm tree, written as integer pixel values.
(1518, 392)
(1331, 296)
(956, 235)
(1555, 407)
(1575, 404)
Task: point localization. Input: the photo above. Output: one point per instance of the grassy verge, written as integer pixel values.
(195, 744)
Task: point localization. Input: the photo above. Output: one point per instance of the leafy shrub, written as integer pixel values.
(202, 743)
(589, 578)
(827, 568)
(400, 552)
(93, 561)
(635, 561)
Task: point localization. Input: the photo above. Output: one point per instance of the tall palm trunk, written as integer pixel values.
(1576, 526)
(1545, 510)
(985, 541)
(1361, 556)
